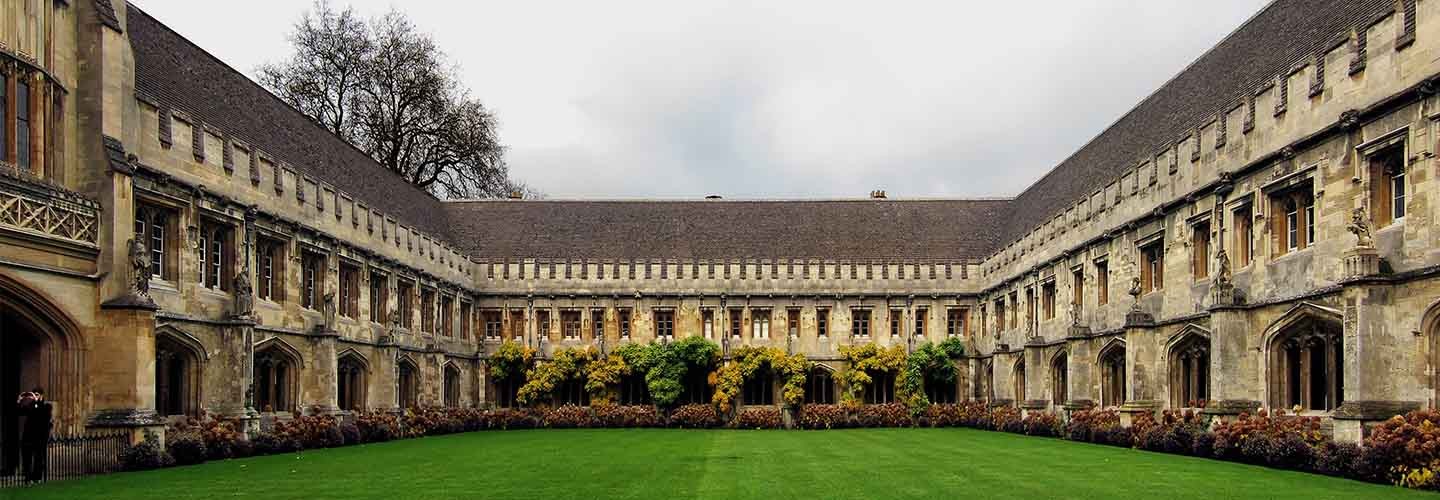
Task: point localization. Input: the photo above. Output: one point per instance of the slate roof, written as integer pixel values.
(1283, 34)
(727, 229)
(174, 71)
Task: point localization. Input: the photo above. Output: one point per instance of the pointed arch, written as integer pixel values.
(407, 382)
(179, 367)
(451, 377)
(1113, 375)
(1017, 379)
(1304, 357)
(1060, 377)
(820, 385)
(1187, 355)
(985, 380)
(352, 386)
(276, 382)
(1430, 327)
(40, 345)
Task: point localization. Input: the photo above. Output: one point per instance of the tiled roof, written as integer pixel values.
(1285, 33)
(722, 229)
(175, 72)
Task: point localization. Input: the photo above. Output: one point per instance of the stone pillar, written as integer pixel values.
(1080, 362)
(121, 372)
(325, 372)
(1141, 386)
(1373, 352)
(1035, 397)
(1235, 376)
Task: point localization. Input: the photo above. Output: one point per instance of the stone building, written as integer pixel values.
(1258, 232)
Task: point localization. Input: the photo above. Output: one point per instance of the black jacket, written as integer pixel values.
(37, 422)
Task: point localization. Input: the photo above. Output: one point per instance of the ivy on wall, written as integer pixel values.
(863, 359)
(747, 360)
(928, 362)
(602, 378)
(510, 360)
(666, 364)
(542, 380)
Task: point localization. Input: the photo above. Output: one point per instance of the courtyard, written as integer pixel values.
(667, 463)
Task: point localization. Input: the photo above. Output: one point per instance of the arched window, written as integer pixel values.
(881, 389)
(819, 387)
(572, 392)
(985, 380)
(633, 390)
(759, 388)
(697, 387)
(275, 379)
(1060, 379)
(1018, 380)
(506, 390)
(350, 388)
(1190, 372)
(452, 386)
(408, 383)
(941, 391)
(1112, 374)
(177, 376)
(1307, 362)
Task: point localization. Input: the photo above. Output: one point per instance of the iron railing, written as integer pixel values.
(68, 457)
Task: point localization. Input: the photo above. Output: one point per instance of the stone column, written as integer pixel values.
(1035, 397)
(1140, 386)
(1234, 365)
(325, 371)
(1375, 355)
(121, 372)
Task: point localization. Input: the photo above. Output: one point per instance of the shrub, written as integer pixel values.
(567, 417)
(695, 416)
(759, 418)
(187, 448)
(1115, 436)
(350, 433)
(1006, 419)
(823, 417)
(944, 415)
(884, 415)
(1042, 423)
(145, 455)
(376, 427)
(626, 416)
(270, 443)
(1253, 439)
(513, 418)
(1338, 459)
(974, 414)
(310, 431)
(1405, 450)
(1173, 433)
(1087, 425)
(1203, 445)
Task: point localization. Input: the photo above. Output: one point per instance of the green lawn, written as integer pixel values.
(660, 463)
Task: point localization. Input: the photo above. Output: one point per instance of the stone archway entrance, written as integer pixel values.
(36, 350)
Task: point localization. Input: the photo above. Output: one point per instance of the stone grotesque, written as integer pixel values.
(140, 267)
(1360, 226)
(1075, 313)
(244, 301)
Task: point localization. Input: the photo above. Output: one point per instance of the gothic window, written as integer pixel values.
(597, 324)
(350, 383)
(735, 325)
(153, 226)
(1387, 187)
(379, 297)
(177, 377)
(1307, 361)
(542, 324)
(1047, 299)
(759, 387)
(452, 386)
(819, 387)
(570, 324)
(467, 319)
(920, 315)
(860, 323)
(1102, 282)
(707, 323)
(270, 278)
(427, 310)
(1293, 218)
(1077, 287)
(954, 322)
(1112, 375)
(665, 324)
(1152, 267)
(407, 383)
(941, 391)
(697, 388)
(1244, 245)
(516, 328)
(1060, 379)
(881, 389)
(1018, 380)
(1200, 250)
(275, 380)
(312, 279)
(215, 255)
(1190, 372)
(1000, 314)
(492, 324)
(633, 390)
(405, 292)
(624, 323)
(349, 290)
(792, 323)
(760, 324)
(445, 312)
(897, 321)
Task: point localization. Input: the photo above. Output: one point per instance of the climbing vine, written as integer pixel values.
(542, 380)
(510, 360)
(863, 359)
(666, 364)
(928, 362)
(602, 378)
(747, 359)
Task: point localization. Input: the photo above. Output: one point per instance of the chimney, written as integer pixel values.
(878, 194)
(516, 195)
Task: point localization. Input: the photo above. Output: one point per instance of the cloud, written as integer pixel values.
(784, 99)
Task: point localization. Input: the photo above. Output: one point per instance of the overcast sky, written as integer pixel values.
(779, 99)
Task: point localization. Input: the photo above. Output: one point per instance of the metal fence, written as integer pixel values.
(68, 457)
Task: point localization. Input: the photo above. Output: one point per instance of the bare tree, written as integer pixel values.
(385, 86)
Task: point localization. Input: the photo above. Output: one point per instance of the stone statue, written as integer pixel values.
(1360, 225)
(328, 303)
(1222, 268)
(244, 306)
(1135, 287)
(1075, 313)
(140, 267)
